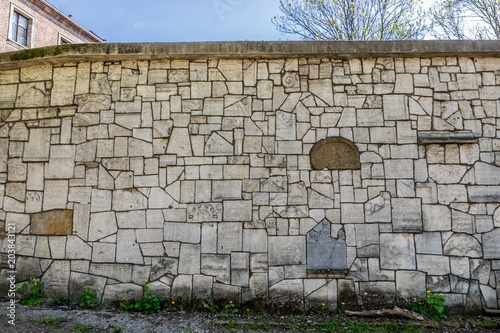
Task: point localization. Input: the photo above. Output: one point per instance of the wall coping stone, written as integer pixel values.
(246, 49)
(431, 137)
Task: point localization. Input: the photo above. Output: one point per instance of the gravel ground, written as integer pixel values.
(111, 320)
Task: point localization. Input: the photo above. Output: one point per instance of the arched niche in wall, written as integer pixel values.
(335, 153)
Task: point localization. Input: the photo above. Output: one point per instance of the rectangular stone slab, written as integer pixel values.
(430, 137)
(53, 223)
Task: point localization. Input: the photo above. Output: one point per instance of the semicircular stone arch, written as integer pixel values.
(335, 153)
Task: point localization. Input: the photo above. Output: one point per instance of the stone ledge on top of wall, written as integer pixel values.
(245, 49)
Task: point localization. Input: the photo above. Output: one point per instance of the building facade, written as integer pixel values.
(36, 23)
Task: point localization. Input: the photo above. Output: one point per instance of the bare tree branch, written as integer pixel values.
(351, 19)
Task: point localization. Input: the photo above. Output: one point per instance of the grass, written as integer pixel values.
(51, 321)
(79, 328)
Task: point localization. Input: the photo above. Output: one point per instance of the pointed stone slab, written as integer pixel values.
(216, 146)
(325, 253)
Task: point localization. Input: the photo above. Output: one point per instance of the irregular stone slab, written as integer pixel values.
(122, 273)
(377, 295)
(180, 143)
(334, 153)
(126, 200)
(116, 292)
(19, 132)
(229, 237)
(491, 244)
(205, 212)
(322, 89)
(447, 173)
(237, 106)
(286, 126)
(287, 250)
(484, 193)
(218, 146)
(398, 168)
(397, 251)
(463, 245)
(182, 232)
(367, 240)
(32, 94)
(433, 265)
(104, 252)
(27, 268)
(409, 286)
(102, 225)
(254, 240)
(407, 214)
(238, 210)
(218, 266)
(127, 249)
(38, 146)
(55, 195)
(79, 282)
(56, 280)
(287, 295)
(77, 249)
(52, 223)
(379, 208)
(429, 243)
(486, 174)
(325, 253)
(436, 217)
(158, 198)
(182, 288)
(163, 266)
(432, 137)
(92, 103)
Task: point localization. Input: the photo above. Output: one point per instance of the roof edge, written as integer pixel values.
(278, 49)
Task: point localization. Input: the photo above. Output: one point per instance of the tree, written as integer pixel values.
(466, 19)
(351, 19)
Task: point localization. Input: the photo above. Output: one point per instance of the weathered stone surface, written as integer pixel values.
(116, 292)
(379, 208)
(217, 265)
(205, 212)
(126, 200)
(127, 250)
(409, 286)
(79, 282)
(122, 273)
(216, 146)
(377, 295)
(77, 249)
(397, 251)
(325, 253)
(56, 222)
(287, 250)
(334, 153)
(182, 288)
(436, 217)
(102, 225)
(38, 146)
(406, 214)
(491, 245)
(182, 232)
(463, 245)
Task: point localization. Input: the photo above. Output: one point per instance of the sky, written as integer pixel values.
(177, 20)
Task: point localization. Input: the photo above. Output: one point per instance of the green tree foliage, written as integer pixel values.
(352, 19)
(466, 19)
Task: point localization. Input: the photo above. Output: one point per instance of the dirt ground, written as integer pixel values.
(74, 319)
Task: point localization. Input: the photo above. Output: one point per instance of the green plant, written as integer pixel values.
(229, 310)
(329, 326)
(116, 329)
(59, 302)
(79, 328)
(211, 306)
(88, 299)
(150, 303)
(50, 321)
(171, 307)
(263, 315)
(32, 291)
(432, 306)
(322, 311)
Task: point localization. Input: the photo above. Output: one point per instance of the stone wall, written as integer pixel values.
(199, 174)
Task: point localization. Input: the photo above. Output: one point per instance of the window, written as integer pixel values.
(19, 28)
(63, 40)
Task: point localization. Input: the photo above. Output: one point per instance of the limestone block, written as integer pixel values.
(226, 189)
(239, 210)
(254, 240)
(484, 193)
(37, 148)
(86, 152)
(77, 249)
(352, 213)
(103, 252)
(377, 295)
(180, 143)
(489, 92)
(61, 163)
(55, 195)
(486, 174)
(324, 252)
(101, 200)
(132, 220)
(409, 285)
(451, 193)
(217, 266)
(127, 200)
(127, 249)
(398, 168)
(56, 280)
(182, 232)
(213, 107)
(395, 107)
(33, 94)
(323, 90)
(367, 240)
(286, 126)
(57, 246)
(229, 237)
(149, 235)
(182, 288)
(237, 106)
(287, 294)
(397, 251)
(436, 218)
(56, 222)
(491, 246)
(463, 245)
(64, 86)
(27, 268)
(462, 222)
(216, 145)
(433, 265)
(92, 103)
(152, 249)
(116, 292)
(407, 214)
(287, 250)
(122, 273)
(429, 243)
(163, 266)
(80, 282)
(19, 132)
(379, 208)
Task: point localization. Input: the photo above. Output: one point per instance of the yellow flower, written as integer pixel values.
(323, 304)
(343, 303)
(248, 309)
(173, 302)
(428, 291)
(230, 302)
(146, 280)
(440, 294)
